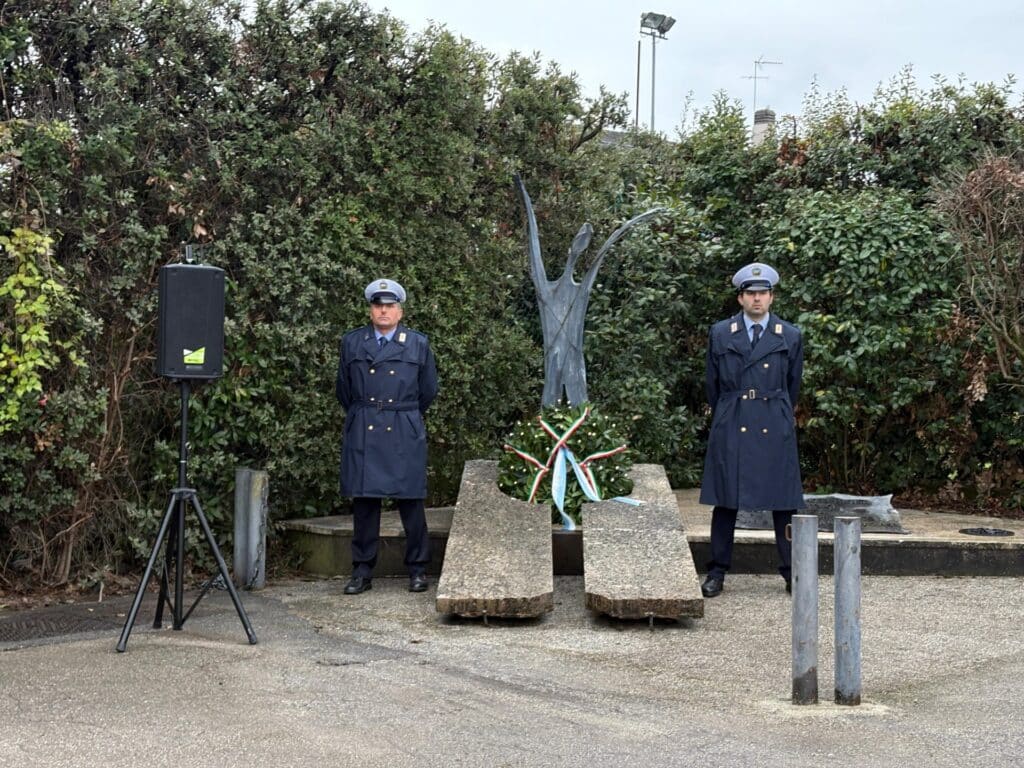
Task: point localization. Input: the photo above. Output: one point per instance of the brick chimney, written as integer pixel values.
(764, 120)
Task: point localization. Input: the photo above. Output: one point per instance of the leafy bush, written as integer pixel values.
(49, 416)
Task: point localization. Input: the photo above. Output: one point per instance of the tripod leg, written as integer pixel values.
(179, 568)
(158, 617)
(169, 556)
(223, 568)
(122, 644)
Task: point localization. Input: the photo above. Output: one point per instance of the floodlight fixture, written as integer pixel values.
(656, 22)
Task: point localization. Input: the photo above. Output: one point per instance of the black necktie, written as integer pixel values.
(381, 342)
(756, 330)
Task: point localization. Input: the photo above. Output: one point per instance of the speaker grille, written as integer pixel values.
(190, 339)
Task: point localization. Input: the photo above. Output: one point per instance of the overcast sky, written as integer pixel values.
(713, 45)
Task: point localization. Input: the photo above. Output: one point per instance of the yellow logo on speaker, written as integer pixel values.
(195, 357)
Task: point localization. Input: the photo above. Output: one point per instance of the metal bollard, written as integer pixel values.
(847, 562)
(252, 490)
(805, 609)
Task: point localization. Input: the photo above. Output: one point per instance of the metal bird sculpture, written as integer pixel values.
(563, 305)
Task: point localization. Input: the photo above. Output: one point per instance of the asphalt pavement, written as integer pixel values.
(381, 679)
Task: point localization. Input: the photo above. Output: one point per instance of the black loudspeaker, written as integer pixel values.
(190, 337)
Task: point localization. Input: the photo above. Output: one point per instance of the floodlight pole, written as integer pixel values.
(654, 42)
(636, 112)
(655, 25)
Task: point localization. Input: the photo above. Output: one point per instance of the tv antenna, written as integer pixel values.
(759, 64)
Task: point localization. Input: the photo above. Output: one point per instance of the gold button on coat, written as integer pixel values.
(742, 429)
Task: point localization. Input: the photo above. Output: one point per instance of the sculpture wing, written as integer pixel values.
(537, 271)
(579, 245)
(591, 275)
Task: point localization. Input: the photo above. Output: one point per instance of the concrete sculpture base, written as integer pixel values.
(498, 562)
(636, 559)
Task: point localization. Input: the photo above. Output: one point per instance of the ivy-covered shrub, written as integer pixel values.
(49, 414)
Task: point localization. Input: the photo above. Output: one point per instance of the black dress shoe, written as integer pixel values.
(358, 584)
(712, 586)
(418, 583)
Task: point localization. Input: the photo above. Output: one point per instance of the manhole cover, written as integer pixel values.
(986, 532)
(36, 627)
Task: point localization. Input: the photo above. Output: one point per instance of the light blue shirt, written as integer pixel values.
(378, 335)
(750, 326)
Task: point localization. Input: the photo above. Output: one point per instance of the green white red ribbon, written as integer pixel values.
(559, 456)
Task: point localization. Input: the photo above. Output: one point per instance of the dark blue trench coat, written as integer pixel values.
(751, 460)
(385, 394)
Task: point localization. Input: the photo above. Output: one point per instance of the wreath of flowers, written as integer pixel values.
(567, 453)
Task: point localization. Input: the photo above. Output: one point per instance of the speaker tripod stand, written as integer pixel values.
(172, 529)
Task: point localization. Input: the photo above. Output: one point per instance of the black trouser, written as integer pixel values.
(723, 530)
(366, 535)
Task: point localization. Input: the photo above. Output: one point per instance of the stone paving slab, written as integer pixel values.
(498, 561)
(636, 560)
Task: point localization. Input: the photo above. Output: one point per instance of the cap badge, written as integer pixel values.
(756, 271)
(383, 284)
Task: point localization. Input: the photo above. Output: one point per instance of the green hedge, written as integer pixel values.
(318, 146)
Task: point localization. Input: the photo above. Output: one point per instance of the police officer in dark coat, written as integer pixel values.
(754, 365)
(387, 378)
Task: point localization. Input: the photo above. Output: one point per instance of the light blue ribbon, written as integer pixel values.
(592, 492)
(627, 500)
(558, 489)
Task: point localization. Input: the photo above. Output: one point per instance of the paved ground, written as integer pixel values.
(382, 680)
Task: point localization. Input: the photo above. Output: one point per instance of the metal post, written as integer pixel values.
(179, 542)
(251, 494)
(654, 40)
(805, 609)
(847, 561)
(636, 113)
(241, 558)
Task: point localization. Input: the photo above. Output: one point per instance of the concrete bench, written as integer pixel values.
(636, 559)
(498, 562)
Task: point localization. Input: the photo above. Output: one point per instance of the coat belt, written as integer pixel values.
(754, 394)
(380, 405)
